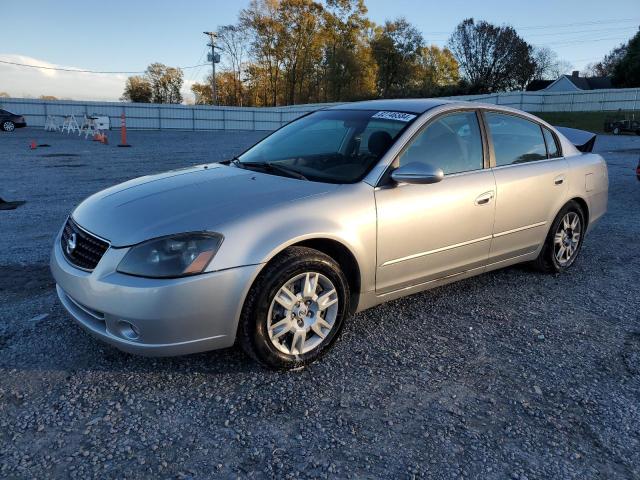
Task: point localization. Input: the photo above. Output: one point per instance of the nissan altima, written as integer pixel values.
(338, 211)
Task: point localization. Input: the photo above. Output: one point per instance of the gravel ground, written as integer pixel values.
(512, 374)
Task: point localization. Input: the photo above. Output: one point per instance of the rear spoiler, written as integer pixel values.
(582, 140)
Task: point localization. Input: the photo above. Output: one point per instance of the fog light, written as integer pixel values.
(128, 330)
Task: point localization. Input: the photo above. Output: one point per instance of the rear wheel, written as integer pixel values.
(616, 131)
(295, 310)
(564, 240)
(8, 126)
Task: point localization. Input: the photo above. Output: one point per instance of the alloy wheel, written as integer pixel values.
(8, 126)
(567, 239)
(302, 313)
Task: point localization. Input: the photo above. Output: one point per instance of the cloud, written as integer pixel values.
(32, 82)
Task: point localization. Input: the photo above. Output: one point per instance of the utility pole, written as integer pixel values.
(214, 58)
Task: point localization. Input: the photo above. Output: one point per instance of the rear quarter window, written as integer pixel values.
(552, 144)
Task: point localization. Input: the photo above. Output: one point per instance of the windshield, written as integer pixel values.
(335, 146)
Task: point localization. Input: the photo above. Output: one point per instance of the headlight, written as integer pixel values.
(174, 256)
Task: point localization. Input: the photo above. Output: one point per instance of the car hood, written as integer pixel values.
(192, 199)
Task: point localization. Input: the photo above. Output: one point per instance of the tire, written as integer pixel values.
(551, 258)
(273, 334)
(616, 131)
(8, 126)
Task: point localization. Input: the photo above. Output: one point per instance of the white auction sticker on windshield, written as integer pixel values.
(399, 116)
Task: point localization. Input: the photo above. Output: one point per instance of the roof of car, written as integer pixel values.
(410, 105)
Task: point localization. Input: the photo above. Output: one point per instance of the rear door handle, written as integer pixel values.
(559, 180)
(484, 199)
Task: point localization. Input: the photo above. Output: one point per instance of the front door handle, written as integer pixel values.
(559, 180)
(484, 199)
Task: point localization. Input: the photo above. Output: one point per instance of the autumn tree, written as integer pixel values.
(233, 42)
(285, 52)
(166, 83)
(547, 64)
(396, 49)
(491, 58)
(348, 66)
(202, 92)
(226, 89)
(626, 72)
(4, 95)
(159, 84)
(436, 68)
(138, 90)
(606, 66)
(260, 19)
(301, 46)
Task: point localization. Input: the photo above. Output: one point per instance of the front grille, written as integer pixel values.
(80, 247)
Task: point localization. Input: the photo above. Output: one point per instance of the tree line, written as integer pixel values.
(284, 52)
(622, 64)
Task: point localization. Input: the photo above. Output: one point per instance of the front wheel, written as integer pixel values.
(295, 310)
(563, 241)
(616, 131)
(8, 126)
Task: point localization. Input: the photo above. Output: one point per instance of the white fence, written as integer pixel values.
(579, 101)
(199, 117)
(150, 116)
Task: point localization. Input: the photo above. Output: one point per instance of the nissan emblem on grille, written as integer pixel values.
(81, 248)
(71, 243)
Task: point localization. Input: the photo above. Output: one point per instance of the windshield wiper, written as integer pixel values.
(273, 167)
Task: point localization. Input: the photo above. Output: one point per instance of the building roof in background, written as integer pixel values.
(535, 85)
(596, 83)
(586, 83)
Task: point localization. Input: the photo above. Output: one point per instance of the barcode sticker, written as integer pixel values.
(399, 116)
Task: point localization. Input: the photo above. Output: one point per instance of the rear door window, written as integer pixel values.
(515, 140)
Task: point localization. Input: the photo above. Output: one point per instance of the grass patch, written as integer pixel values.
(590, 121)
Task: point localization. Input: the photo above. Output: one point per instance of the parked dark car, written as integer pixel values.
(638, 170)
(622, 126)
(10, 121)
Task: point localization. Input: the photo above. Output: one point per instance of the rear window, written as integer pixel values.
(515, 140)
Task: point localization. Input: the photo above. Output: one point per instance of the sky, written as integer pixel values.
(129, 35)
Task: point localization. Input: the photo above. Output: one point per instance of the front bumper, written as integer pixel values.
(154, 317)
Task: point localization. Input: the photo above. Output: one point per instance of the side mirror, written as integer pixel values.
(417, 173)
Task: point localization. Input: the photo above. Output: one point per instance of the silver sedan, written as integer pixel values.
(336, 212)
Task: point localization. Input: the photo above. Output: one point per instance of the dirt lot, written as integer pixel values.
(513, 374)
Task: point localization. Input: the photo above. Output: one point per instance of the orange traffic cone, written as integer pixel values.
(97, 137)
(105, 140)
(33, 145)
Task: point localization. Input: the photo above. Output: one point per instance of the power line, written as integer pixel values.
(195, 73)
(552, 26)
(559, 36)
(61, 69)
(579, 40)
(580, 24)
(576, 32)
